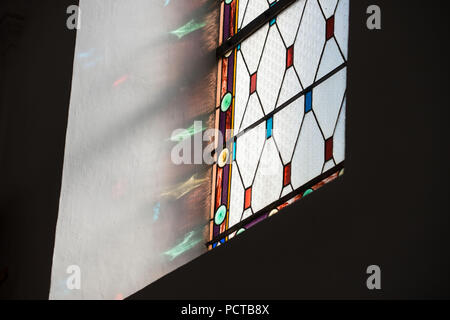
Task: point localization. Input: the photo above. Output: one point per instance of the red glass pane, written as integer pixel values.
(253, 83)
(248, 198)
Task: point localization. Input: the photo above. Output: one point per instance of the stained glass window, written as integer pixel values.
(281, 106)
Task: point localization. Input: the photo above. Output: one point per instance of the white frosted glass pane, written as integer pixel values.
(286, 191)
(242, 90)
(327, 100)
(247, 213)
(328, 165)
(254, 9)
(328, 7)
(241, 11)
(253, 113)
(288, 21)
(331, 59)
(269, 178)
(309, 43)
(236, 196)
(308, 157)
(286, 128)
(290, 87)
(339, 136)
(252, 48)
(271, 70)
(249, 147)
(341, 26)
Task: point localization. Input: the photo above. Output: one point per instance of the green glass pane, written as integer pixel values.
(226, 102)
(221, 214)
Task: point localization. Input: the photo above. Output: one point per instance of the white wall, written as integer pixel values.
(113, 169)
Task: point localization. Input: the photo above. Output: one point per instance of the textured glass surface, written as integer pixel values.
(249, 10)
(289, 107)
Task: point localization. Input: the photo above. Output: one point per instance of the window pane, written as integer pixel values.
(288, 80)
